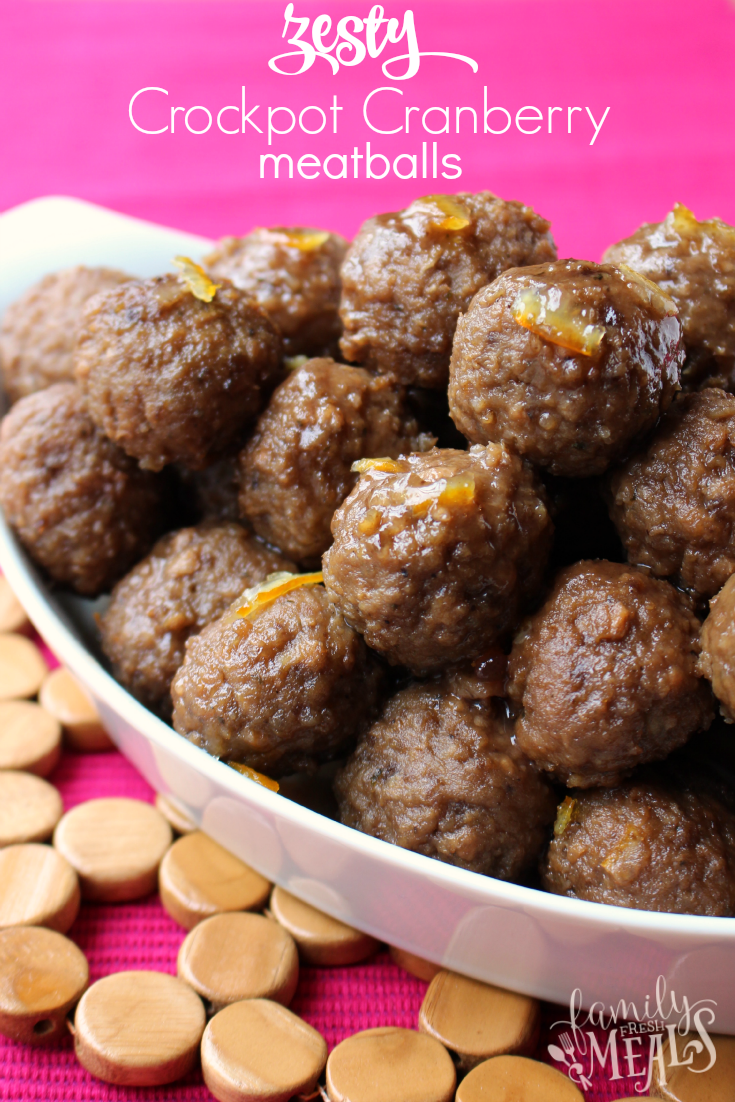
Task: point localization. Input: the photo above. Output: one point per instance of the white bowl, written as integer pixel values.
(513, 936)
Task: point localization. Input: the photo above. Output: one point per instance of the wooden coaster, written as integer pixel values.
(415, 966)
(38, 887)
(199, 878)
(390, 1063)
(116, 845)
(321, 940)
(175, 815)
(230, 957)
(257, 1051)
(686, 1075)
(42, 976)
(30, 738)
(30, 808)
(67, 700)
(517, 1079)
(12, 614)
(22, 667)
(476, 1020)
(138, 1029)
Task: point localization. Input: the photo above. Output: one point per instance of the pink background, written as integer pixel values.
(68, 70)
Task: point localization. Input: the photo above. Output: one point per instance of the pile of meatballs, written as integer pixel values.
(433, 513)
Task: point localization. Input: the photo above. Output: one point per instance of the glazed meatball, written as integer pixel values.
(438, 773)
(80, 506)
(295, 470)
(653, 843)
(408, 276)
(39, 330)
(280, 690)
(189, 579)
(605, 675)
(569, 363)
(694, 263)
(674, 503)
(171, 378)
(293, 273)
(435, 555)
(717, 660)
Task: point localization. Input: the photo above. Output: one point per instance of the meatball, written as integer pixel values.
(605, 675)
(81, 507)
(279, 690)
(654, 843)
(171, 378)
(674, 503)
(189, 579)
(435, 555)
(569, 363)
(39, 330)
(694, 263)
(295, 470)
(438, 773)
(717, 660)
(408, 276)
(293, 273)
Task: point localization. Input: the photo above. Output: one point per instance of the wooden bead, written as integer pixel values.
(38, 887)
(138, 1029)
(42, 976)
(12, 614)
(22, 667)
(30, 808)
(237, 956)
(321, 940)
(517, 1079)
(30, 738)
(390, 1063)
(175, 815)
(691, 1083)
(116, 845)
(476, 1020)
(415, 966)
(257, 1051)
(199, 878)
(68, 701)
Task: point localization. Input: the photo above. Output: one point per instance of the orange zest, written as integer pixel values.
(196, 279)
(549, 316)
(459, 491)
(566, 813)
(389, 466)
(306, 241)
(275, 585)
(446, 214)
(254, 775)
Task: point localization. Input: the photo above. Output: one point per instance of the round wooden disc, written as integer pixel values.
(22, 667)
(416, 966)
(116, 845)
(321, 940)
(237, 956)
(42, 976)
(38, 887)
(686, 1075)
(30, 808)
(390, 1063)
(257, 1051)
(517, 1079)
(476, 1020)
(199, 878)
(138, 1029)
(30, 738)
(175, 815)
(12, 614)
(67, 700)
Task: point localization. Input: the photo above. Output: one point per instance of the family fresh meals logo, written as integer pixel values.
(668, 1033)
(351, 41)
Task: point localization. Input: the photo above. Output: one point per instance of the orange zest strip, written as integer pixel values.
(275, 585)
(390, 466)
(455, 216)
(459, 491)
(563, 324)
(306, 241)
(254, 775)
(565, 815)
(196, 279)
